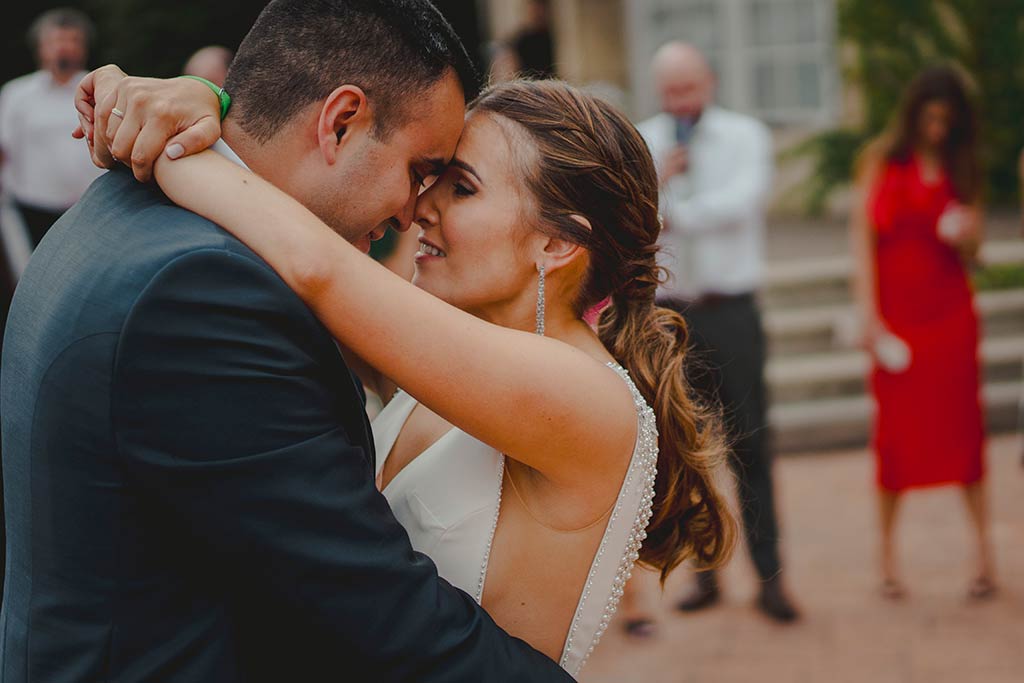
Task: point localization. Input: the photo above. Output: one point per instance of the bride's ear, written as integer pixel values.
(344, 111)
(559, 252)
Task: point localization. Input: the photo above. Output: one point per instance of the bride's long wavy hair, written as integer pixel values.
(590, 161)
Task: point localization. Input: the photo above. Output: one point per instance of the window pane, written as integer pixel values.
(805, 21)
(782, 22)
(694, 22)
(760, 23)
(765, 86)
(809, 84)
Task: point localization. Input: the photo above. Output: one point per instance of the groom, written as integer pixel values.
(188, 469)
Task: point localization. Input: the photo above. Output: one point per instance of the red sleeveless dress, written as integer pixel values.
(929, 426)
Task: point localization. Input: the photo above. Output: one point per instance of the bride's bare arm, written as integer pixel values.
(542, 402)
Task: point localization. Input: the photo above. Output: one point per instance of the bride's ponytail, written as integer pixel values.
(691, 518)
(592, 162)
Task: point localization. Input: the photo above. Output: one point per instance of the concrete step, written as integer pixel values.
(822, 328)
(818, 424)
(809, 282)
(842, 365)
(843, 373)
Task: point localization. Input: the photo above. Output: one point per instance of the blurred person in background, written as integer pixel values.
(916, 226)
(534, 46)
(1020, 418)
(45, 171)
(530, 53)
(211, 63)
(715, 170)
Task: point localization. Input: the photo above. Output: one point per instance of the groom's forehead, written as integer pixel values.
(438, 118)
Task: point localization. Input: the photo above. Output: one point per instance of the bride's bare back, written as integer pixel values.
(540, 554)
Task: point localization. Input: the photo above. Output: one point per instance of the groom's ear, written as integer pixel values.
(345, 111)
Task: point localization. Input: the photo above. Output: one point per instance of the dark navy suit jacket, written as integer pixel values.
(188, 477)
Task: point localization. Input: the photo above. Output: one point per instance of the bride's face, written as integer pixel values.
(476, 249)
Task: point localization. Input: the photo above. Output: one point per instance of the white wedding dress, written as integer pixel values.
(449, 498)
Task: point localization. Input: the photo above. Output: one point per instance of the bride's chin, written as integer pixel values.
(419, 280)
(428, 284)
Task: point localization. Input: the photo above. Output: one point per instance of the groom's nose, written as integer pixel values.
(404, 219)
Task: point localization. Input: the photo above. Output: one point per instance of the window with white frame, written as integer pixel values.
(774, 58)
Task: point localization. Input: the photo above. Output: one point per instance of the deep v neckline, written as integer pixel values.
(403, 423)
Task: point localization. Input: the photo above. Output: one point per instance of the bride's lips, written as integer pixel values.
(429, 251)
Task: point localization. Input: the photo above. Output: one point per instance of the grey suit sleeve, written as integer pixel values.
(227, 421)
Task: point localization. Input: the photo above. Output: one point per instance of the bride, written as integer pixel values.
(533, 459)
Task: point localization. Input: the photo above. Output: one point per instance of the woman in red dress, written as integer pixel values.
(916, 225)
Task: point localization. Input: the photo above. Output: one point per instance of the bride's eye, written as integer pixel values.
(462, 190)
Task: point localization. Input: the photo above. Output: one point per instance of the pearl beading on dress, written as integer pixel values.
(643, 466)
(490, 539)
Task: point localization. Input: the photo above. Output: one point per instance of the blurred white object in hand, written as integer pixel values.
(892, 353)
(952, 223)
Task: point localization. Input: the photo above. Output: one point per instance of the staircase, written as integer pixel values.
(819, 399)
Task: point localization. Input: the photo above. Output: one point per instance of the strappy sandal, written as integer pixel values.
(981, 588)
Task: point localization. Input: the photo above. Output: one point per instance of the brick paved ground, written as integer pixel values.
(849, 633)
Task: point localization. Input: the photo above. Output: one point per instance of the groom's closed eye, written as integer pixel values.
(427, 171)
(424, 180)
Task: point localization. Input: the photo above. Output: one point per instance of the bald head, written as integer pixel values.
(210, 63)
(684, 79)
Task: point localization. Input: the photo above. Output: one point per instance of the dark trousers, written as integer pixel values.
(726, 368)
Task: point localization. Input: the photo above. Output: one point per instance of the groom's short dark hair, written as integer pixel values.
(299, 51)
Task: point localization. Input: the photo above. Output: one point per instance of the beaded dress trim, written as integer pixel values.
(634, 501)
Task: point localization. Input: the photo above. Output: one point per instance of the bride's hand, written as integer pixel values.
(105, 79)
(178, 115)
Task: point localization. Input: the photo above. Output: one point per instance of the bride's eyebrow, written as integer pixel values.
(459, 163)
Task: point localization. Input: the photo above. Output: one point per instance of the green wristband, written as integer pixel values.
(222, 94)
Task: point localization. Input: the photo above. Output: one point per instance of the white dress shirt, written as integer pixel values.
(713, 239)
(43, 165)
(225, 151)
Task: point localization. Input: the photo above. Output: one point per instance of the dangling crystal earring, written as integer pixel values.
(540, 301)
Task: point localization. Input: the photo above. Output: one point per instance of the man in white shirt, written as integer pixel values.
(715, 169)
(45, 171)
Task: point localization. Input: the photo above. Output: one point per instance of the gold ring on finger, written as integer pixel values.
(117, 112)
